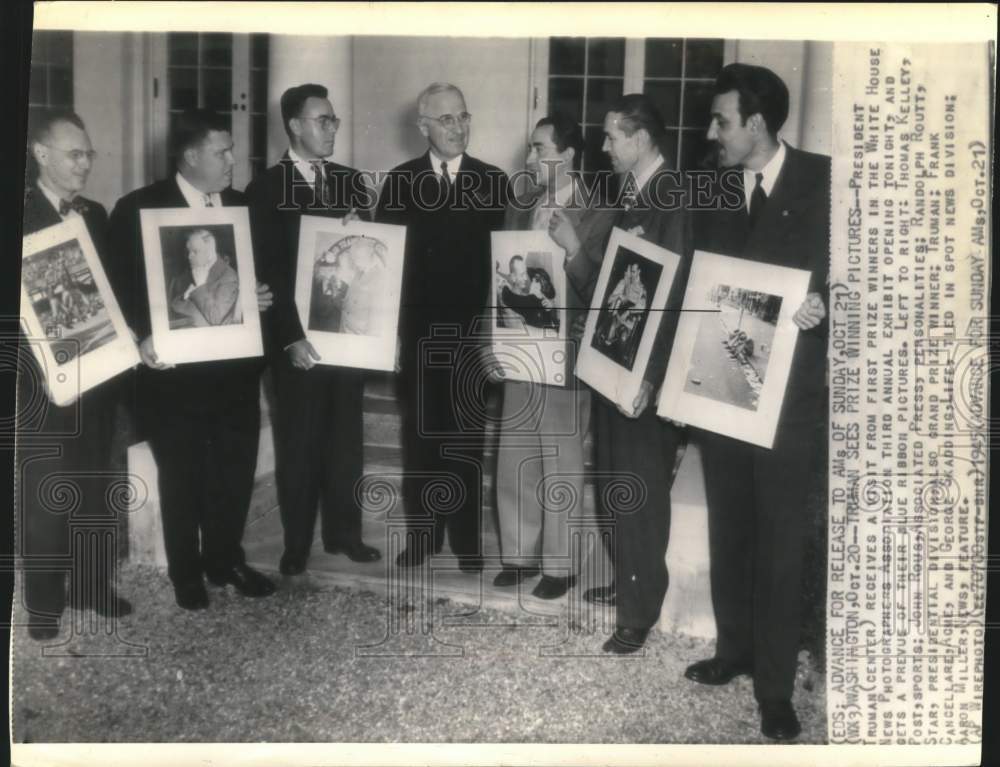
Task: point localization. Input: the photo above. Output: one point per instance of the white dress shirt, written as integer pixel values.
(196, 198)
(53, 198)
(453, 165)
(769, 171)
(306, 168)
(547, 204)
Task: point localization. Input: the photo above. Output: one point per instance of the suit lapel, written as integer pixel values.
(782, 206)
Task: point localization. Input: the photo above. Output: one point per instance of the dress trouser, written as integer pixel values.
(319, 446)
(540, 473)
(757, 517)
(635, 463)
(63, 463)
(206, 458)
(443, 432)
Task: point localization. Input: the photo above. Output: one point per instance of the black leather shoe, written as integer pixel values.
(778, 720)
(356, 552)
(411, 556)
(191, 596)
(247, 581)
(601, 595)
(292, 565)
(625, 640)
(511, 576)
(716, 671)
(43, 631)
(109, 605)
(470, 564)
(550, 587)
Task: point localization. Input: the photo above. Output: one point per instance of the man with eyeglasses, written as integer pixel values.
(319, 410)
(202, 419)
(82, 431)
(449, 202)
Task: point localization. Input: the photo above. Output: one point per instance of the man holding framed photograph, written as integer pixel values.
(758, 498)
(82, 430)
(319, 434)
(202, 419)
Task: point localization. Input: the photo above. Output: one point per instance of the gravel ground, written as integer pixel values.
(294, 668)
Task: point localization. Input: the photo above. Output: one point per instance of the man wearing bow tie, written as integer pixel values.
(449, 202)
(758, 498)
(319, 409)
(82, 431)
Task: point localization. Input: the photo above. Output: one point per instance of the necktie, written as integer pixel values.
(445, 178)
(208, 201)
(321, 185)
(758, 199)
(76, 204)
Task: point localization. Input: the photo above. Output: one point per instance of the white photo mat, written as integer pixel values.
(525, 342)
(614, 378)
(714, 380)
(203, 343)
(75, 328)
(348, 286)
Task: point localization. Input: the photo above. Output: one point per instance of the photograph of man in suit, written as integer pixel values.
(318, 408)
(207, 293)
(63, 158)
(202, 419)
(450, 202)
(757, 498)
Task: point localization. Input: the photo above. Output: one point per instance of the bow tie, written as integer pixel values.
(77, 204)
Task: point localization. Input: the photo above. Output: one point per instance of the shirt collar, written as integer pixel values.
(51, 196)
(559, 198)
(643, 178)
(306, 168)
(454, 165)
(769, 171)
(195, 198)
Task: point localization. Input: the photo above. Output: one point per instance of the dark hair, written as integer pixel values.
(760, 90)
(638, 111)
(295, 98)
(566, 132)
(192, 127)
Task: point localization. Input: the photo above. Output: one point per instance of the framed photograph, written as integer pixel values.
(733, 349)
(71, 317)
(347, 290)
(202, 284)
(629, 300)
(529, 307)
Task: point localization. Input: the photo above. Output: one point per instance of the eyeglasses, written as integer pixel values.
(76, 155)
(451, 121)
(325, 122)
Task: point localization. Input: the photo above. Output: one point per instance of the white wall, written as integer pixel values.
(389, 72)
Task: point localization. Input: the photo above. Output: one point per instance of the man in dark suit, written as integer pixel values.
(632, 441)
(202, 419)
(207, 293)
(449, 202)
(757, 498)
(80, 432)
(318, 427)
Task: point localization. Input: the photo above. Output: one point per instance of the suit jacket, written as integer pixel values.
(278, 199)
(200, 387)
(39, 214)
(214, 302)
(447, 274)
(793, 231)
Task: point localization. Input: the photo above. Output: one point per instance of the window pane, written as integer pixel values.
(697, 104)
(183, 88)
(667, 97)
(606, 56)
(697, 151)
(216, 89)
(258, 90)
(670, 148)
(663, 57)
(258, 136)
(593, 158)
(259, 56)
(60, 49)
(60, 87)
(704, 58)
(566, 96)
(217, 50)
(40, 46)
(38, 88)
(566, 55)
(601, 96)
(182, 49)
